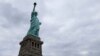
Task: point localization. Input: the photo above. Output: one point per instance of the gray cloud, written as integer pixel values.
(12, 23)
(78, 27)
(12, 15)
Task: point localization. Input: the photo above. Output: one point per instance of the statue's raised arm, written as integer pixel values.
(34, 6)
(34, 13)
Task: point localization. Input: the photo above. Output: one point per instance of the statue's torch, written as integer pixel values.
(34, 7)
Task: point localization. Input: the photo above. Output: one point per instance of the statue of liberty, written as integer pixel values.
(35, 24)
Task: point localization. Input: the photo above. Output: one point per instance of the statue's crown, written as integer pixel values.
(35, 13)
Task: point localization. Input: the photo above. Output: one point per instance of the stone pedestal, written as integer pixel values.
(31, 46)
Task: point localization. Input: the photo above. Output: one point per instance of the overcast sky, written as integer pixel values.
(69, 27)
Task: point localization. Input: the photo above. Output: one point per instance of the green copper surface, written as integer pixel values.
(35, 24)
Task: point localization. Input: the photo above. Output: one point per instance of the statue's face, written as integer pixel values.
(35, 13)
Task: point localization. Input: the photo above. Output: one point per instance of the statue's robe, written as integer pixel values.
(35, 25)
